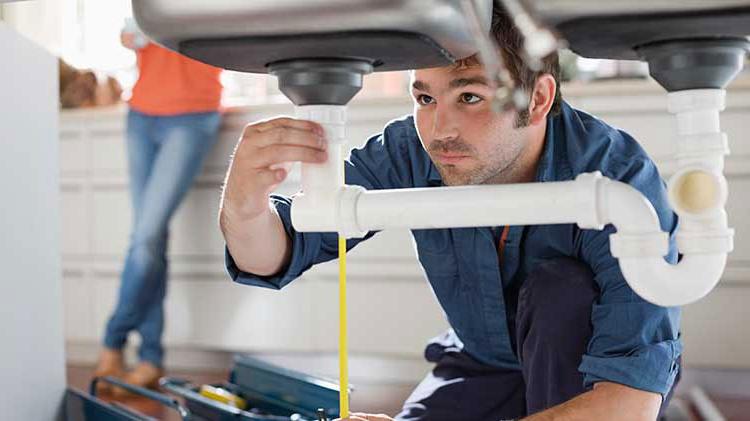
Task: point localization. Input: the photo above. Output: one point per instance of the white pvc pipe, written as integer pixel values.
(325, 178)
(321, 182)
(590, 201)
(673, 285)
(471, 206)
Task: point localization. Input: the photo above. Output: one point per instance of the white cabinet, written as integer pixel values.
(388, 296)
(31, 332)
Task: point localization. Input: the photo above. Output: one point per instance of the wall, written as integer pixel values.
(388, 295)
(39, 20)
(31, 336)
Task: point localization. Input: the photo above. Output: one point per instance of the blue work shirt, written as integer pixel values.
(634, 343)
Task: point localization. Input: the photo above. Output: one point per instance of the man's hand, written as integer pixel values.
(358, 416)
(256, 168)
(254, 233)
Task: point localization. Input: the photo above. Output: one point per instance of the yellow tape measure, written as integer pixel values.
(343, 364)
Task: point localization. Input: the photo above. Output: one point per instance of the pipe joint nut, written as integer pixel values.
(591, 182)
(647, 244)
(705, 242)
(698, 146)
(691, 100)
(347, 211)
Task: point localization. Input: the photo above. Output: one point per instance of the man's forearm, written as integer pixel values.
(607, 401)
(259, 245)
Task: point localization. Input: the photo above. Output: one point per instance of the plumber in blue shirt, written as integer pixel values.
(543, 324)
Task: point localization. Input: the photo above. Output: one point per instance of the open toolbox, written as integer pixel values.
(270, 392)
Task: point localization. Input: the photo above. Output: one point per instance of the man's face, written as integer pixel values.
(466, 140)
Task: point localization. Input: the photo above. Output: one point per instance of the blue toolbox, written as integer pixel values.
(255, 391)
(271, 393)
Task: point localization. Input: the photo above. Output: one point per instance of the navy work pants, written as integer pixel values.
(551, 331)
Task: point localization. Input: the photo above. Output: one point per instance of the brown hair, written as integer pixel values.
(510, 42)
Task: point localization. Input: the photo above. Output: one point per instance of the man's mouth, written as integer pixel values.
(448, 158)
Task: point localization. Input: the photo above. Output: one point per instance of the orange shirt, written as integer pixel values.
(170, 83)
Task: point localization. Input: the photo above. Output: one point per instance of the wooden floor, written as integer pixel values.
(380, 399)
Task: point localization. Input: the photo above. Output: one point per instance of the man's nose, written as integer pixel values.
(444, 125)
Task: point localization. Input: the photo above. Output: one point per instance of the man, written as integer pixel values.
(543, 323)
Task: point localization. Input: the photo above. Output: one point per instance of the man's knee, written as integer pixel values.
(553, 330)
(558, 287)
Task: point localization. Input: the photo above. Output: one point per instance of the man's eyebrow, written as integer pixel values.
(420, 86)
(460, 83)
(453, 84)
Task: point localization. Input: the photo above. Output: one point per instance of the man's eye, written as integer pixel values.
(424, 99)
(470, 98)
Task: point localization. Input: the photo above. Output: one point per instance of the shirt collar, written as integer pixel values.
(433, 176)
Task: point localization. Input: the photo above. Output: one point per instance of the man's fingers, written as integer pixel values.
(271, 178)
(371, 417)
(274, 154)
(286, 122)
(288, 136)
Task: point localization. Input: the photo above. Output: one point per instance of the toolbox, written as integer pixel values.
(271, 392)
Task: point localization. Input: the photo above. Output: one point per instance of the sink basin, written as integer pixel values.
(614, 29)
(248, 35)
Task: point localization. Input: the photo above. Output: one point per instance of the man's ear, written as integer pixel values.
(542, 98)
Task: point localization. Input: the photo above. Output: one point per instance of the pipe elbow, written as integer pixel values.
(627, 209)
(640, 245)
(667, 285)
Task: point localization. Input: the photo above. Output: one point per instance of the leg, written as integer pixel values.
(151, 328)
(553, 329)
(141, 152)
(185, 141)
(182, 144)
(461, 388)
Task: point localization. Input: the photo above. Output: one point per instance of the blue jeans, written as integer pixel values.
(165, 153)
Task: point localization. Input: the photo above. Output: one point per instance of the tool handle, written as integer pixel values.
(141, 391)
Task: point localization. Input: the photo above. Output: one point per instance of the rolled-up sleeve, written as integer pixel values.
(634, 342)
(306, 251)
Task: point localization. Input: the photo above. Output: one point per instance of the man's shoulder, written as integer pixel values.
(591, 144)
(401, 130)
(397, 135)
(395, 155)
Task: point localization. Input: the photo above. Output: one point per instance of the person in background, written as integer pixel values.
(172, 124)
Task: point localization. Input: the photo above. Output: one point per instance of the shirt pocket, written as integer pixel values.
(438, 259)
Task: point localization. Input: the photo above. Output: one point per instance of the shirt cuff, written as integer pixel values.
(652, 368)
(303, 245)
